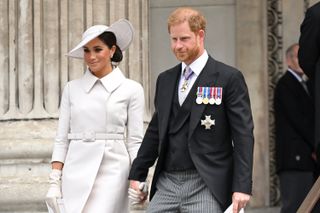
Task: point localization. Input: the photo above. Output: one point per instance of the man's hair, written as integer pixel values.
(195, 19)
(289, 51)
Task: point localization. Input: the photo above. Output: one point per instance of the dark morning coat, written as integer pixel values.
(294, 122)
(309, 59)
(224, 168)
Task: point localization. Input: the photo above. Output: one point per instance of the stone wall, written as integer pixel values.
(35, 36)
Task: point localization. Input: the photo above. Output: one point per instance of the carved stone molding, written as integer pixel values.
(306, 4)
(275, 68)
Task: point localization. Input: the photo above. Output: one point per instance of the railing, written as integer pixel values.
(311, 199)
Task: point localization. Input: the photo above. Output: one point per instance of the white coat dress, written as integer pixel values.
(99, 133)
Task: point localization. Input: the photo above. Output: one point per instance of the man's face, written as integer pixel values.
(185, 44)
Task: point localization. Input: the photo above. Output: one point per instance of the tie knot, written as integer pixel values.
(187, 72)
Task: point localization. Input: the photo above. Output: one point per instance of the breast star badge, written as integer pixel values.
(208, 122)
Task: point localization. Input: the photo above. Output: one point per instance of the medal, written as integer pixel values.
(199, 100)
(211, 99)
(218, 101)
(207, 122)
(219, 96)
(205, 99)
(199, 95)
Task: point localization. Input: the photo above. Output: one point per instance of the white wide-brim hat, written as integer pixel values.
(122, 29)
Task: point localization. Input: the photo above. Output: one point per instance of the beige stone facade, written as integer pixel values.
(35, 34)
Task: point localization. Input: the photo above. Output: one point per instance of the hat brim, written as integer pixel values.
(122, 29)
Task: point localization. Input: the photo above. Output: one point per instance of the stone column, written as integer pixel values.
(35, 35)
(251, 54)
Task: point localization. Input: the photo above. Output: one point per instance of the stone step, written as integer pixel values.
(251, 210)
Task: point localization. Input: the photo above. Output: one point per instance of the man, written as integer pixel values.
(201, 130)
(309, 59)
(294, 119)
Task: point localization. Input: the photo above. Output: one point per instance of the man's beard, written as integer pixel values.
(190, 55)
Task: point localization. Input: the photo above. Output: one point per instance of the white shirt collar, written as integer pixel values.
(198, 65)
(295, 75)
(110, 81)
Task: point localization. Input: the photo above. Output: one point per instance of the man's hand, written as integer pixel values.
(138, 192)
(239, 201)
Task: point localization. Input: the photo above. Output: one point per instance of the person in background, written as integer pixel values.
(294, 125)
(201, 131)
(100, 127)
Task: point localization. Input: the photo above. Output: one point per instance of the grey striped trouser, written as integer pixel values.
(182, 192)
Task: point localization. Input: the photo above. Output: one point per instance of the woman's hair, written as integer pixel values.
(110, 39)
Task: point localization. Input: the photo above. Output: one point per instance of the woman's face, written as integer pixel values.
(97, 56)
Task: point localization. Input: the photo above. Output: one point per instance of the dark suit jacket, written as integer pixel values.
(309, 58)
(294, 121)
(224, 168)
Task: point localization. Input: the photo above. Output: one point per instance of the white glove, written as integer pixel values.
(134, 196)
(54, 191)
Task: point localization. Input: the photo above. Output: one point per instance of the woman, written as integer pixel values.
(100, 127)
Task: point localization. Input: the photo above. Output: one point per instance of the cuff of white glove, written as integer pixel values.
(55, 174)
(55, 184)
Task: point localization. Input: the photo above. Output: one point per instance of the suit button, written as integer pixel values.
(297, 158)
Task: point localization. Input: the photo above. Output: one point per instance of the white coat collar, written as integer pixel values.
(110, 81)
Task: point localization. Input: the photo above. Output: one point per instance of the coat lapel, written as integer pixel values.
(207, 78)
